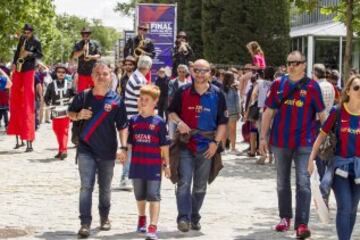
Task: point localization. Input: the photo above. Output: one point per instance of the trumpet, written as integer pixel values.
(86, 51)
(139, 50)
(21, 59)
(184, 48)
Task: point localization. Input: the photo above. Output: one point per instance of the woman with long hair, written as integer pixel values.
(233, 105)
(344, 121)
(257, 54)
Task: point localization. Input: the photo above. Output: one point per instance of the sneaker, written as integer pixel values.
(261, 160)
(125, 185)
(183, 226)
(303, 232)
(29, 149)
(152, 233)
(141, 227)
(57, 155)
(234, 152)
(84, 231)
(283, 225)
(105, 224)
(196, 226)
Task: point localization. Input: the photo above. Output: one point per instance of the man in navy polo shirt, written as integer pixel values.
(199, 106)
(103, 112)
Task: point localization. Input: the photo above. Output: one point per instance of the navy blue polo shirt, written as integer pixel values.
(203, 112)
(99, 135)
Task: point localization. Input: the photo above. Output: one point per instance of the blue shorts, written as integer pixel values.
(148, 190)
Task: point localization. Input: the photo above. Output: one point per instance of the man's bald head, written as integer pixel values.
(201, 63)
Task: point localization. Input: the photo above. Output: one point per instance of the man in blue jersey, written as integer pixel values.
(292, 104)
(103, 114)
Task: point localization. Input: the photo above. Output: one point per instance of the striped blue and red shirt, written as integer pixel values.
(294, 123)
(146, 136)
(202, 112)
(3, 81)
(99, 135)
(347, 132)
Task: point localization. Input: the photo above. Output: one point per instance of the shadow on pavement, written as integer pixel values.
(65, 235)
(246, 167)
(45, 160)
(10, 152)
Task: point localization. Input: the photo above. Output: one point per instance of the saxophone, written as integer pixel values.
(139, 50)
(184, 48)
(86, 51)
(21, 59)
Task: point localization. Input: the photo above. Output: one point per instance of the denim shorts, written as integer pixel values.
(148, 190)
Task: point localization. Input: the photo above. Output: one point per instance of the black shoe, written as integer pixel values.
(183, 226)
(196, 226)
(62, 156)
(17, 146)
(84, 231)
(105, 224)
(29, 149)
(57, 155)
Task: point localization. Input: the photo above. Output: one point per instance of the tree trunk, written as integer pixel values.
(349, 37)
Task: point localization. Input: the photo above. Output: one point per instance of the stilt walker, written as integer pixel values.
(22, 94)
(57, 96)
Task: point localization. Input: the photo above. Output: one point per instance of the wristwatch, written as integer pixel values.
(216, 142)
(124, 148)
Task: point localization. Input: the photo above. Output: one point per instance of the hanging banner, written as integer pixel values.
(162, 21)
(128, 35)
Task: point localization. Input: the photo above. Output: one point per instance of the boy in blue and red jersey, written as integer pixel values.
(293, 133)
(149, 143)
(198, 106)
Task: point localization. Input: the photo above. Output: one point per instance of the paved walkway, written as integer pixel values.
(39, 194)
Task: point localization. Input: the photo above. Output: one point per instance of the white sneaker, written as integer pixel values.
(125, 185)
(234, 152)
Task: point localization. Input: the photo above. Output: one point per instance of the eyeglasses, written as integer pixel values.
(356, 88)
(294, 63)
(181, 37)
(201, 70)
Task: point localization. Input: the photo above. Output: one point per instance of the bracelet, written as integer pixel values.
(216, 142)
(166, 165)
(124, 148)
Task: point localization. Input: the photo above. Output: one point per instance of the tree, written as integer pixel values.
(14, 14)
(346, 11)
(193, 26)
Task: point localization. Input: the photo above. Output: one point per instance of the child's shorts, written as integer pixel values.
(147, 190)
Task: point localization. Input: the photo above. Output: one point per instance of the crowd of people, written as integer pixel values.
(285, 116)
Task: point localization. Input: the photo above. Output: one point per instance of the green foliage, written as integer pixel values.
(193, 26)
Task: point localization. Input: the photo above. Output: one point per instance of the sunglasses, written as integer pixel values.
(27, 32)
(294, 63)
(201, 70)
(356, 88)
(143, 29)
(182, 37)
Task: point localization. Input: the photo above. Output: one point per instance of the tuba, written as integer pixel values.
(86, 51)
(139, 50)
(21, 59)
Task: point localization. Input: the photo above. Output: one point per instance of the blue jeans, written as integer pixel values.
(88, 167)
(147, 190)
(284, 157)
(347, 195)
(196, 168)
(126, 167)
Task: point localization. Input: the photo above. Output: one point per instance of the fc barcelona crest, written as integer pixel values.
(152, 126)
(303, 93)
(107, 107)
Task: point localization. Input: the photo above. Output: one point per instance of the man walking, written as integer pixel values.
(199, 106)
(103, 112)
(292, 104)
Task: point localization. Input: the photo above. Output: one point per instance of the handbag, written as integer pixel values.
(79, 125)
(327, 148)
(254, 112)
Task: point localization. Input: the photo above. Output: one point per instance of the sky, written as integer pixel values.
(100, 9)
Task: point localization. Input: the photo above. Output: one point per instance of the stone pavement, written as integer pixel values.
(39, 195)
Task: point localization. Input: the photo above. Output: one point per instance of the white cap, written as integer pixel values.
(144, 62)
